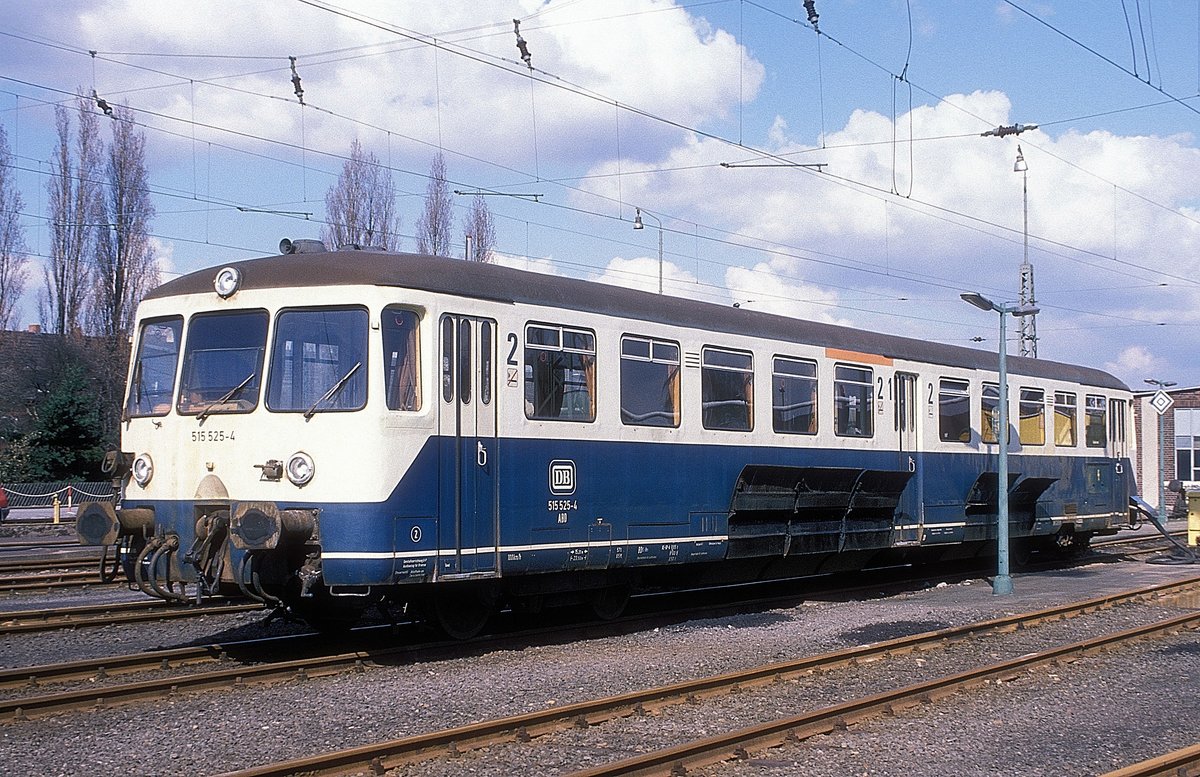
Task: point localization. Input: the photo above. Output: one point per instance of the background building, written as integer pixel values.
(1181, 442)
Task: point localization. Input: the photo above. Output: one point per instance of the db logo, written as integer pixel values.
(562, 477)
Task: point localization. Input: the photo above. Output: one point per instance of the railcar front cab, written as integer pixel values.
(216, 368)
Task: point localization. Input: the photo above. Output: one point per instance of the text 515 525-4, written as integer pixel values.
(211, 435)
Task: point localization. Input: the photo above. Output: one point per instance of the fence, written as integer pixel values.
(69, 494)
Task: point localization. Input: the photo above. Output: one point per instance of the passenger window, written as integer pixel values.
(649, 382)
(318, 361)
(1117, 428)
(1095, 433)
(954, 410)
(153, 380)
(989, 403)
(560, 373)
(1032, 428)
(447, 359)
(1064, 419)
(853, 401)
(485, 362)
(401, 359)
(464, 361)
(727, 390)
(794, 396)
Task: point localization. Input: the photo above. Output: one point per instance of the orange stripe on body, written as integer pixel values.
(855, 356)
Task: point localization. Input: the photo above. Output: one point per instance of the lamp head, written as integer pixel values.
(637, 220)
(978, 300)
(1020, 166)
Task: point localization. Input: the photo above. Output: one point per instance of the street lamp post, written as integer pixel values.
(1162, 476)
(637, 224)
(1002, 583)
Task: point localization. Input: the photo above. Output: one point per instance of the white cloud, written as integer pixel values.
(469, 93)
(164, 255)
(1135, 363)
(643, 272)
(774, 287)
(1100, 251)
(545, 266)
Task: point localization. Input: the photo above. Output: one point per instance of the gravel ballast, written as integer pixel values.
(1079, 719)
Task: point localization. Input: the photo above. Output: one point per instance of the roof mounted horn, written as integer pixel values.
(301, 246)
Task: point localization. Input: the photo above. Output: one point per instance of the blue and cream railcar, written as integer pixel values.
(327, 428)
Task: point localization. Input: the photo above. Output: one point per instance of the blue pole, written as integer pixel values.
(1002, 584)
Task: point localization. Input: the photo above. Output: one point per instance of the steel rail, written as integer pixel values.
(21, 708)
(28, 621)
(737, 744)
(49, 562)
(1175, 764)
(59, 579)
(386, 755)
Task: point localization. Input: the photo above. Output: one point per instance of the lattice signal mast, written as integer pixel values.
(1027, 332)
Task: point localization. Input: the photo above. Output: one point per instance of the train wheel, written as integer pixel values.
(462, 613)
(608, 603)
(329, 617)
(1069, 544)
(1021, 553)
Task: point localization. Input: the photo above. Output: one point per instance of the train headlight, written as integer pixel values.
(143, 469)
(300, 468)
(227, 281)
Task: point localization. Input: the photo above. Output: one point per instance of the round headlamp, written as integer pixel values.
(227, 281)
(300, 468)
(143, 469)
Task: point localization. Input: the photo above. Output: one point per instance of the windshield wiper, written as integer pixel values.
(334, 389)
(137, 391)
(228, 395)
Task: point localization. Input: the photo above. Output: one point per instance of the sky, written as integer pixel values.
(837, 174)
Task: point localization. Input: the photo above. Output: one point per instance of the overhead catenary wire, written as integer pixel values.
(1173, 98)
(535, 172)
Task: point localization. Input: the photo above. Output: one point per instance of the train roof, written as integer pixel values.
(505, 284)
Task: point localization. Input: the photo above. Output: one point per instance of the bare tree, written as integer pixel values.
(434, 223)
(480, 230)
(360, 209)
(125, 266)
(74, 202)
(13, 258)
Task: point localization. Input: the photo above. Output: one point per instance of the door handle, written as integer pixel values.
(480, 453)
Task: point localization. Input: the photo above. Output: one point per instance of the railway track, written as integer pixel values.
(102, 691)
(37, 543)
(28, 621)
(681, 759)
(18, 566)
(52, 579)
(1184, 762)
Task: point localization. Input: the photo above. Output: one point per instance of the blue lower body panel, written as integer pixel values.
(566, 505)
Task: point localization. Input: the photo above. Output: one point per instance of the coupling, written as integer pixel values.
(263, 526)
(100, 523)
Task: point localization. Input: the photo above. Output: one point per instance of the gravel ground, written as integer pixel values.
(945, 737)
(1110, 705)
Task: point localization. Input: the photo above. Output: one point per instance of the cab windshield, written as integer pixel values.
(152, 382)
(223, 363)
(318, 361)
